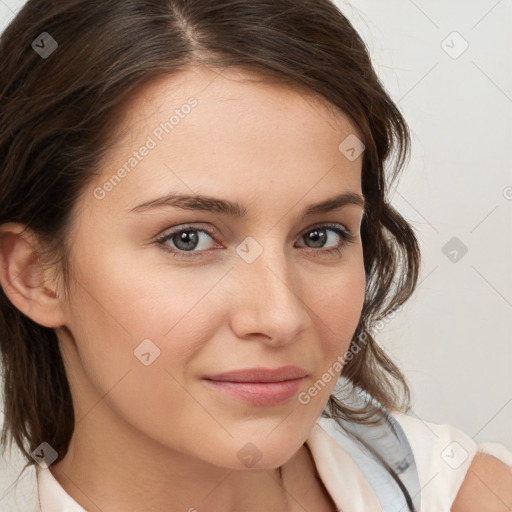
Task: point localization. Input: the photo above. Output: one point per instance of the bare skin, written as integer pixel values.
(487, 486)
(155, 437)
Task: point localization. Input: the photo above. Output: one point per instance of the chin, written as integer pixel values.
(261, 453)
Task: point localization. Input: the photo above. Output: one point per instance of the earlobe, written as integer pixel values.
(23, 278)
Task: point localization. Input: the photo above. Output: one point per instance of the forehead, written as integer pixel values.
(227, 133)
(209, 86)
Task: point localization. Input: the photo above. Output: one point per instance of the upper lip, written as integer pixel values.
(260, 374)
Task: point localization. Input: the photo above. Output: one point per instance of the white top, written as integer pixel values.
(438, 460)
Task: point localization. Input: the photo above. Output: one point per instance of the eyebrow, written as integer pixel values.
(233, 209)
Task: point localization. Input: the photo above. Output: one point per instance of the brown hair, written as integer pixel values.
(59, 114)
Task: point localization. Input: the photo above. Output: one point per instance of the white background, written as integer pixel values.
(453, 339)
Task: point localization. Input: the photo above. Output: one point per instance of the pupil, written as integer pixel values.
(188, 244)
(316, 237)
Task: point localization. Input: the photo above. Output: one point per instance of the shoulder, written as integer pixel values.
(487, 486)
(450, 463)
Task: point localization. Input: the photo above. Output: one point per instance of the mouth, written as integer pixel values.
(259, 386)
(258, 393)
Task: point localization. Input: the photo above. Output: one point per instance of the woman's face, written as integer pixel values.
(148, 321)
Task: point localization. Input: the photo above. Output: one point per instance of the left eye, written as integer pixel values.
(318, 235)
(186, 239)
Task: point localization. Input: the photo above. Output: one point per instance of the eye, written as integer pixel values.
(187, 241)
(318, 236)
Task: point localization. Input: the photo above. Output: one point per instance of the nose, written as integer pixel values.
(270, 299)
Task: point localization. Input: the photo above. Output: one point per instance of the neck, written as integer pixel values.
(142, 475)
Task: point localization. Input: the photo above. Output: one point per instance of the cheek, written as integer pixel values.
(138, 325)
(336, 308)
(134, 344)
(338, 305)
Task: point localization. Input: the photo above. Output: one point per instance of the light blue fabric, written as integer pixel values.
(389, 441)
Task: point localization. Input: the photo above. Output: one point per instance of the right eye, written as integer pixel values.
(185, 240)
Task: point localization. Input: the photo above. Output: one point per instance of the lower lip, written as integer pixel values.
(259, 393)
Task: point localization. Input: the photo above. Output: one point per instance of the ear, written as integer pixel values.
(23, 278)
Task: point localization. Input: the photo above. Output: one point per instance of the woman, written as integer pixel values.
(196, 245)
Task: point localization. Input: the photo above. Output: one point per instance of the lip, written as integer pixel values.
(260, 374)
(259, 386)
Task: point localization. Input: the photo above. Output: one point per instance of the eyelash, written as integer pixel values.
(346, 236)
